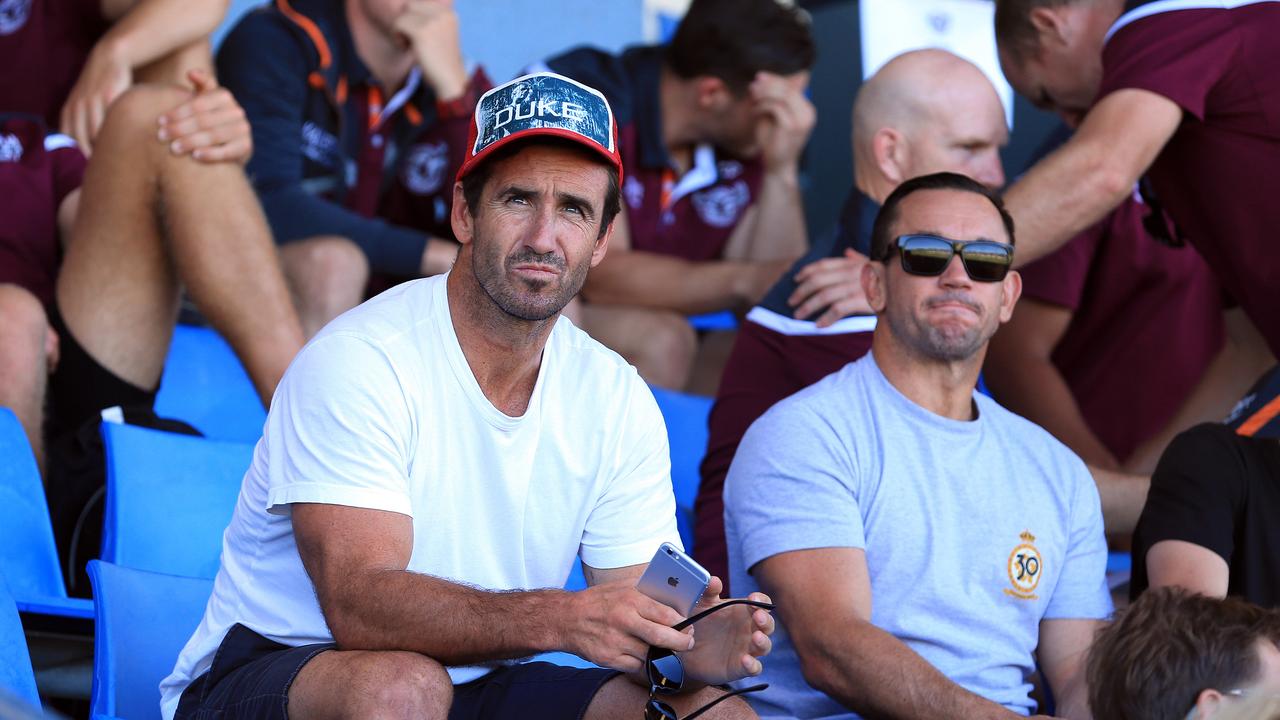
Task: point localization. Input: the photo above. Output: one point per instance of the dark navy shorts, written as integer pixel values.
(251, 675)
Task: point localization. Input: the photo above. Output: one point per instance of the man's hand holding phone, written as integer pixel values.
(730, 641)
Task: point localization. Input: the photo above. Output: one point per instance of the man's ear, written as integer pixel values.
(892, 155)
(1051, 26)
(1010, 291)
(461, 220)
(1208, 702)
(712, 93)
(873, 285)
(602, 242)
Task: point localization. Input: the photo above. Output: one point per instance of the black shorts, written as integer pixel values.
(251, 675)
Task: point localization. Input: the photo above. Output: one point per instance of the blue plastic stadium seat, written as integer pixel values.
(723, 320)
(142, 621)
(16, 676)
(205, 385)
(169, 499)
(28, 556)
(686, 418)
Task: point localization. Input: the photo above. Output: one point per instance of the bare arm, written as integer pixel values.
(1021, 374)
(1122, 495)
(1243, 358)
(357, 561)
(824, 598)
(143, 32)
(1063, 650)
(1092, 173)
(1194, 567)
(644, 279)
(774, 226)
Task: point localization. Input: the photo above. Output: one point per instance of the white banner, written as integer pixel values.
(964, 27)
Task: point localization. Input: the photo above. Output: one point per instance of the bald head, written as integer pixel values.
(928, 111)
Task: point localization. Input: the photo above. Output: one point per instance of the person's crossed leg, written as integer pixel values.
(151, 222)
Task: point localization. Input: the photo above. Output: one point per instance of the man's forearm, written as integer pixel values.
(1061, 196)
(647, 279)
(873, 673)
(778, 230)
(1075, 186)
(450, 623)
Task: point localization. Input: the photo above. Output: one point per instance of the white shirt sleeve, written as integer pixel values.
(636, 512)
(339, 431)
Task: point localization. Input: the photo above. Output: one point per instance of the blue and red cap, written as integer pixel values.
(542, 104)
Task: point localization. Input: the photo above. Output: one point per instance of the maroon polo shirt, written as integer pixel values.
(37, 171)
(43, 46)
(1219, 175)
(1146, 322)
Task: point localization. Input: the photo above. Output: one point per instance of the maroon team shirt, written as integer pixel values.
(36, 173)
(1146, 322)
(43, 46)
(1219, 176)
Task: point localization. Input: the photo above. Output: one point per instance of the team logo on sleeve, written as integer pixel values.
(13, 15)
(720, 206)
(319, 145)
(633, 189)
(1025, 568)
(10, 148)
(425, 166)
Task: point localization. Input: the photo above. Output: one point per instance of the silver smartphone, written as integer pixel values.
(674, 579)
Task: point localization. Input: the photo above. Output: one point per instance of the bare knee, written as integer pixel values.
(135, 112)
(735, 708)
(22, 316)
(327, 276)
(667, 351)
(385, 685)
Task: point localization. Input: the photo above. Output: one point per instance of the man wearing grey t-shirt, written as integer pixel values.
(926, 547)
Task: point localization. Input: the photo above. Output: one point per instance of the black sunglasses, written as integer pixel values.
(666, 671)
(929, 255)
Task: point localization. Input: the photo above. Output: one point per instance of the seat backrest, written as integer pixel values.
(16, 676)
(141, 622)
(205, 385)
(169, 499)
(686, 418)
(28, 556)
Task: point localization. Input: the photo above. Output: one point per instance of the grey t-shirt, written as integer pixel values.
(974, 531)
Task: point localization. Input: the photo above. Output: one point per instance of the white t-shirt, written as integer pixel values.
(381, 411)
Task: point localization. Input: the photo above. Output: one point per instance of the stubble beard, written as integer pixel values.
(495, 278)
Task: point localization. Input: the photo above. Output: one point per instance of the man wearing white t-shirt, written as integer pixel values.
(928, 548)
(437, 455)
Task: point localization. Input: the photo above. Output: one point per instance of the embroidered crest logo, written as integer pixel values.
(633, 189)
(10, 148)
(424, 168)
(13, 15)
(729, 169)
(720, 206)
(319, 145)
(1025, 567)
